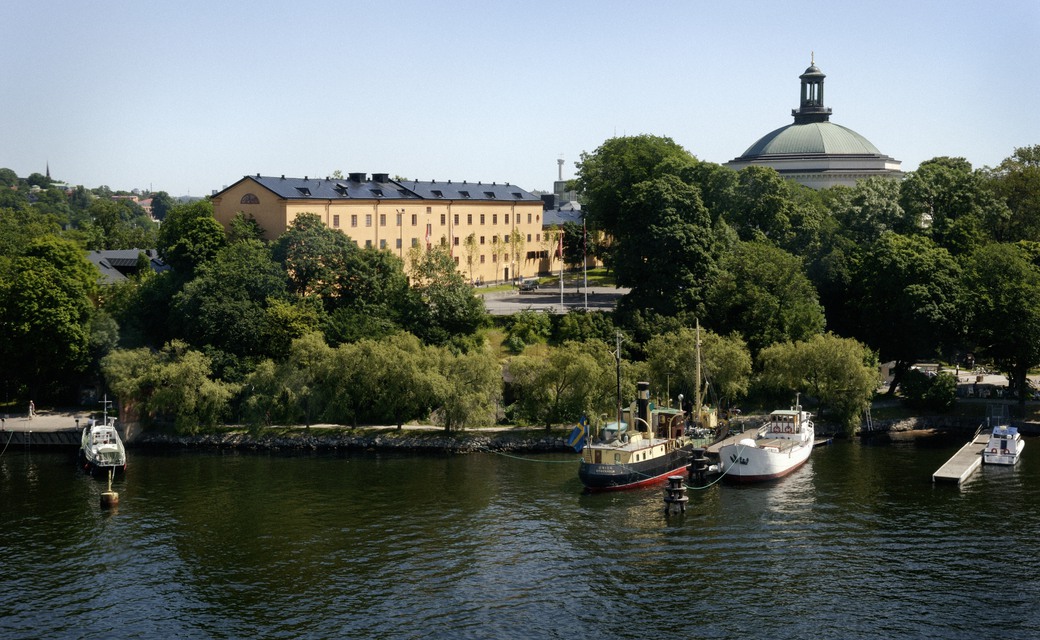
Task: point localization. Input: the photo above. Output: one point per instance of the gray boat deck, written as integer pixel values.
(963, 463)
(751, 432)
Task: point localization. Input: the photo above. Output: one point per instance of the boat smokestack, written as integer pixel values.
(643, 405)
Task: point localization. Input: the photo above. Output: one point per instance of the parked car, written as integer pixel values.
(529, 285)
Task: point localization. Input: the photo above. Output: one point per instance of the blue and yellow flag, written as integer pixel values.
(577, 438)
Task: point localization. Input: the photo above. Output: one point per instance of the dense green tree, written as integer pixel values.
(912, 290)
(313, 255)
(761, 207)
(579, 325)
(161, 205)
(189, 237)
(871, 208)
(53, 202)
(569, 381)
(174, 386)
(763, 293)
(8, 178)
(668, 252)
(840, 374)
(1016, 183)
(952, 201)
(446, 305)
(39, 180)
(20, 225)
(607, 176)
(1002, 293)
(473, 389)
(225, 307)
(401, 379)
(245, 227)
(292, 390)
(725, 366)
(528, 327)
(44, 313)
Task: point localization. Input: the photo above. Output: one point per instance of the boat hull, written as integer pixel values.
(617, 477)
(1003, 456)
(1004, 447)
(750, 464)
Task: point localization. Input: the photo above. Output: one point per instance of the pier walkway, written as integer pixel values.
(964, 462)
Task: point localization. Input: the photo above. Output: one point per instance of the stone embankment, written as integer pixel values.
(317, 440)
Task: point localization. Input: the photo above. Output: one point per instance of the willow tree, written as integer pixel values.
(839, 374)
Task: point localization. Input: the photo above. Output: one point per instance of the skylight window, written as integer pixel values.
(464, 194)
(377, 192)
(518, 195)
(304, 191)
(437, 193)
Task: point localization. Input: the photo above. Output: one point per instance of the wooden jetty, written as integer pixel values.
(733, 438)
(964, 462)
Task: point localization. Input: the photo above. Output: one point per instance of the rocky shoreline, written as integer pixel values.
(359, 440)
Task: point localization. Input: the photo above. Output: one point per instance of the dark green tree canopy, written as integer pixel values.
(190, 237)
(607, 176)
(668, 253)
(763, 294)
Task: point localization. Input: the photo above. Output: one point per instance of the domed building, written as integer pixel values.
(815, 151)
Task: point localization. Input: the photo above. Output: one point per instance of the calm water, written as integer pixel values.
(857, 544)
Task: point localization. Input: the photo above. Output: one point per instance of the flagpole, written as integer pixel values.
(559, 253)
(585, 261)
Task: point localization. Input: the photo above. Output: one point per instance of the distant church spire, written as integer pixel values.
(811, 108)
(48, 169)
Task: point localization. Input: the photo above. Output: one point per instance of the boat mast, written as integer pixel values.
(697, 393)
(617, 359)
(105, 403)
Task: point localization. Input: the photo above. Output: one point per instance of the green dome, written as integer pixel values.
(811, 138)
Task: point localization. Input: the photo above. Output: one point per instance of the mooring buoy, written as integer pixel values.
(109, 499)
(675, 495)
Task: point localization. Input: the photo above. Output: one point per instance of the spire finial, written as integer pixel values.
(812, 58)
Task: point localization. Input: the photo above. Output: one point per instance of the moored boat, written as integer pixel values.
(781, 445)
(620, 457)
(101, 450)
(1004, 447)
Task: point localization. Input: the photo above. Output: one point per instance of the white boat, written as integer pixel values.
(782, 444)
(1004, 447)
(100, 449)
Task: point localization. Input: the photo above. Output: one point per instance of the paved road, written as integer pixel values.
(44, 421)
(548, 299)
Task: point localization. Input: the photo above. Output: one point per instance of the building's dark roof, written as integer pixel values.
(359, 186)
(556, 217)
(116, 264)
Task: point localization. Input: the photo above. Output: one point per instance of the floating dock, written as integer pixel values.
(964, 462)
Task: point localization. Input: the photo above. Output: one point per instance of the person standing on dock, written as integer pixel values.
(32, 409)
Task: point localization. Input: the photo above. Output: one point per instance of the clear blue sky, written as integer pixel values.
(188, 96)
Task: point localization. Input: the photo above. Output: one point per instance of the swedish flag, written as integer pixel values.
(577, 438)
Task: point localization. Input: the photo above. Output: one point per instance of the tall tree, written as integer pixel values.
(44, 315)
(607, 176)
(1002, 292)
(912, 290)
(447, 307)
(763, 293)
(952, 201)
(1016, 183)
(225, 307)
(668, 252)
(190, 237)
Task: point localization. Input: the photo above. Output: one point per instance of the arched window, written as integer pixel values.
(249, 198)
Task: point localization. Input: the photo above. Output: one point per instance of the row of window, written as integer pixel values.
(444, 219)
(531, 255)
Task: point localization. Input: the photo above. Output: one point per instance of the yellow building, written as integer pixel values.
(494, 231)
